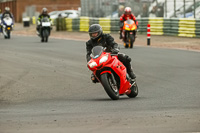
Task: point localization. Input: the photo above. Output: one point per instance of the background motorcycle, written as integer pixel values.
(7, 26)
(129, 32)
(112, 74)
(45, 29)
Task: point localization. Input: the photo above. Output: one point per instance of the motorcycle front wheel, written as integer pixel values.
(109, 86)
(8, 34)
(131, 40)
(45, 35)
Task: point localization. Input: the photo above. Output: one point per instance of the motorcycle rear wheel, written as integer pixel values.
(134, 91)
(109, 87)
(46, 40)
(125, 45)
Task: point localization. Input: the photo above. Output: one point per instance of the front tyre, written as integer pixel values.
(8, 34)
(109, 87)
(131, 40)
(134, 91)
(45, 35)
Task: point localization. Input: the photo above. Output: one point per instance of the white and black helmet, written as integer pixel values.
(95, 28)
(44, 10)
(7, 9)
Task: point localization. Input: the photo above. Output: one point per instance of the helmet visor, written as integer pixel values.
(94, 35)
(128, 13)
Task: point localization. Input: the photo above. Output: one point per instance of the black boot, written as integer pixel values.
(94, 79)
(130, 72)
(120, 35)
(132, 75)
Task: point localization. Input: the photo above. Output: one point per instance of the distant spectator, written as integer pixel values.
(100, 13)
(91, 12)
(153, 12)
(59, 15)
(159, 11)
(120, 10)
(144, 10)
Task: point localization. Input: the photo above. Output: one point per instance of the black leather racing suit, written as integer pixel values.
(107, 41)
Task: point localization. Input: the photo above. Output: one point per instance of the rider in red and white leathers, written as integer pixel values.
(127, 15)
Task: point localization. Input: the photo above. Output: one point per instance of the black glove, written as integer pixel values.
(93, 78)
(121, 24)
(115, 51)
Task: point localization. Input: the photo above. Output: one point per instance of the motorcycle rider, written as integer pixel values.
(98, 38)
(5, 14)
(127, 15)
(42, 15)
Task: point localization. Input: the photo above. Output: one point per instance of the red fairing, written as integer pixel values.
(115, 65)
(126, 17)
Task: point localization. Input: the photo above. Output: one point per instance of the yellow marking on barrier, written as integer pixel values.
(69, 27)
(157, 33)
(34, 20)
(156, 26)
(105, 31)
(187, 27)
(106, 28)
(68, 20)
(84, 23)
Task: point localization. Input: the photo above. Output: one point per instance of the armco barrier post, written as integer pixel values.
(148, 34)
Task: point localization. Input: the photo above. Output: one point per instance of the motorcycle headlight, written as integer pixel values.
(127, 26)
(92, 64)
(103, 59)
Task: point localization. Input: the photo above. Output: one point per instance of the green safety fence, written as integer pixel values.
(60, 24)
(159, 26)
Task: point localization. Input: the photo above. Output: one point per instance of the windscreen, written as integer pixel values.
(129, 21)
(96, 51)
(45, 19)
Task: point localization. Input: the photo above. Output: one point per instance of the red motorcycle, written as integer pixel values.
(112, 74)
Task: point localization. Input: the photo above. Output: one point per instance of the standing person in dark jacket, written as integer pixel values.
(98, 38)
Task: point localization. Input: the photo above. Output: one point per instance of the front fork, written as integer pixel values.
(112, 77)
(113, 80)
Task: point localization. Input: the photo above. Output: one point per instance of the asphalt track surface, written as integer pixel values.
(46, 88)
